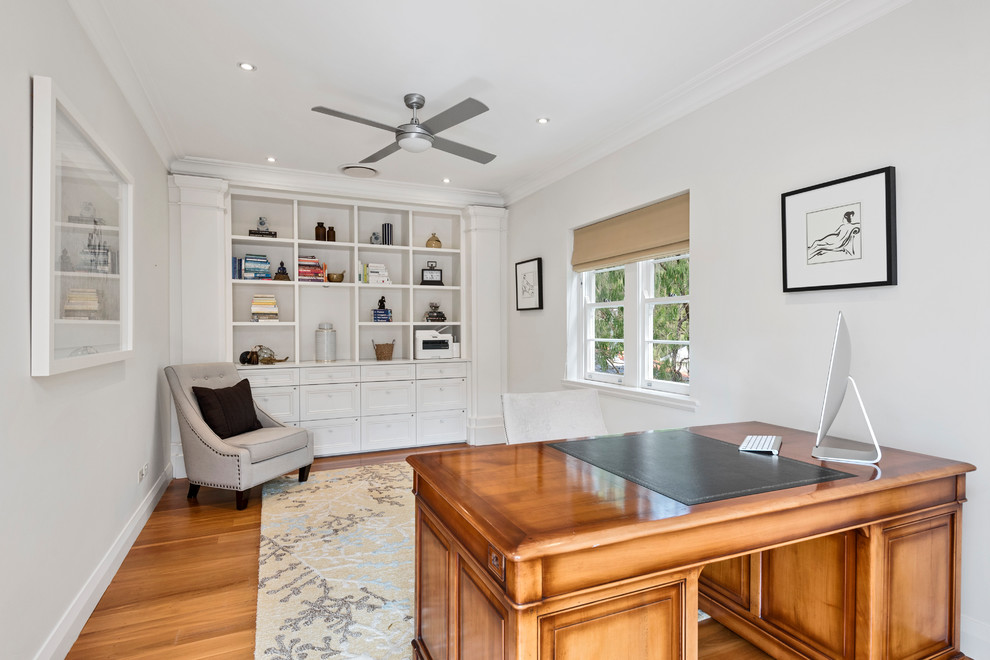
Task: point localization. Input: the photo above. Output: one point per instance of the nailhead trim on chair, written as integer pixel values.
(207, 445)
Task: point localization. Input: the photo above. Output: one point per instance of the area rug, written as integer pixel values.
(335, 573)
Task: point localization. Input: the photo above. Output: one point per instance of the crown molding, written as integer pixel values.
(814, 29)
(260, 176)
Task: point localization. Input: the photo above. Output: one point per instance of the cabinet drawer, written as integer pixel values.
(442, 369)
(327, 401)
(282, 403)
(441, 394)
(270, 377)
(388, 432)
(393, 371)
(318, 375)
(393, 396)
(335, 436)
(434, 428)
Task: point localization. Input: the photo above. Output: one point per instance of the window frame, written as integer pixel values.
(637, 304)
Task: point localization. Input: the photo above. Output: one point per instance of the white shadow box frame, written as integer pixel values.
(81, 249)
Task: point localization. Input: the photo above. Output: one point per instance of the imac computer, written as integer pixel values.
(827, 449)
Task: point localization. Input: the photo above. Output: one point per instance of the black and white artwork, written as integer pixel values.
(840, 234)
(529, 284)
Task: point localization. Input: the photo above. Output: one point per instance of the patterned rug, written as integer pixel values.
(335, 575)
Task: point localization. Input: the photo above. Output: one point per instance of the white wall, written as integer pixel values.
(909, 90)
(71, 445)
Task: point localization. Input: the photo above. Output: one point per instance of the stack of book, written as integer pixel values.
(256, 267)
(374, 274)
(81, 304)
(264, 308)
(311, 270)
(381, 315)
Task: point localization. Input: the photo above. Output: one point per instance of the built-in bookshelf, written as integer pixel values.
(379, 252)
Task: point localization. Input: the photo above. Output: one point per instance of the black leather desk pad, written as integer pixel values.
(691, 468)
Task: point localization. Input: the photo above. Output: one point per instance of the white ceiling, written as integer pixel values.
(606, 73)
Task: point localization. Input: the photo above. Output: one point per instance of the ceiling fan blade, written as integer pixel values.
(464, 151)
(381, 153)
(454, 115)
(360, 120)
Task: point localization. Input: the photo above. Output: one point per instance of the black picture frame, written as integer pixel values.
(840, 234)
(529, 284)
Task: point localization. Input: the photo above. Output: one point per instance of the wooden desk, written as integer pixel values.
(525, 552)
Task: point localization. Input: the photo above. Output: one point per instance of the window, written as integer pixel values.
(631, 317)
(637, 324)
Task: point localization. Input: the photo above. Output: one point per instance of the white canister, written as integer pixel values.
(326, 343)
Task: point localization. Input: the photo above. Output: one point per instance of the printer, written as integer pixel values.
(431, 345)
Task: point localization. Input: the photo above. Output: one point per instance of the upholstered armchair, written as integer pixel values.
(539, 416)
(211, 402)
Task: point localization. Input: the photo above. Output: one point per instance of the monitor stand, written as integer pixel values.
(828, 451)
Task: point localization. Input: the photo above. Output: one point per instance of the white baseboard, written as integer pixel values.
(974, 637)
(61, 639)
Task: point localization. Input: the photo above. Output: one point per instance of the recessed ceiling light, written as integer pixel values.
(359, 171)
(246, 66)
(446, 180)
(272, 159)
(543, 120)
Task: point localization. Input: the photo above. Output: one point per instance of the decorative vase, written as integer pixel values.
(321, 232)
(433, 241)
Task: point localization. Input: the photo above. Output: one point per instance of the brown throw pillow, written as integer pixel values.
(229, 411)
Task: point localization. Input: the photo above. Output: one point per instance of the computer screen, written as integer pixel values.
(836, 382)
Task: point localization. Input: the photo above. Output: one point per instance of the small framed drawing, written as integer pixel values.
(840, 234)
(529, 284)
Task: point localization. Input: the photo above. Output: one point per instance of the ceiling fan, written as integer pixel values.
(418, 137)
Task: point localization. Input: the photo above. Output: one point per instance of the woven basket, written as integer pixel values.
(383, 351)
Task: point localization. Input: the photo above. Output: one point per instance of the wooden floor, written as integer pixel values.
(188, 587)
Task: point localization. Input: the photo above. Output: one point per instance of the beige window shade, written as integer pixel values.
(658, 230)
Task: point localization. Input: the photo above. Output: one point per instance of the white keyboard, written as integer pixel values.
(769, 444)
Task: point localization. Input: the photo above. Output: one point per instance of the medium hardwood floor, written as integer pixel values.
(188, 587)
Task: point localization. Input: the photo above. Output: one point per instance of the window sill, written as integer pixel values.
(679, 401)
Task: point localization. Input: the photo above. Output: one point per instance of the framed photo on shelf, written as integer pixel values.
(840, 234)
(81, 268)
(529, 284)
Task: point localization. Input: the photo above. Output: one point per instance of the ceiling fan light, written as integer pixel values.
(415, 142)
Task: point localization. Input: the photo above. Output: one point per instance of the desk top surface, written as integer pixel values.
(531, 498)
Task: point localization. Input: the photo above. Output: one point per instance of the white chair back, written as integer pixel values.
(539, 416)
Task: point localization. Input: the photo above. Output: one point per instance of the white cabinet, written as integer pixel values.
(282, 403)
(352, 407)
(328, 401)
(388, 431)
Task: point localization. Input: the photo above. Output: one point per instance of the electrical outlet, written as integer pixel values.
(142, 473)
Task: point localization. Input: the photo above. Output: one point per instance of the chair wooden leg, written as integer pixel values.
(304, 473)
(193, 491)
(242, 499)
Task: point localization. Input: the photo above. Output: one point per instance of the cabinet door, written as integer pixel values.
(394, 396)
(329, 401)
(388, 431)
(282, 403)
(441, 394)
(441, 426)
(335, 436)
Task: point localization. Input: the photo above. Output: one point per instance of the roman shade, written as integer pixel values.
(658, 230)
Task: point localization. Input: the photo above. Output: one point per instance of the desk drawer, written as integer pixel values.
(270, 377)
(328, 401)
(282, 403)
(387, 397)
